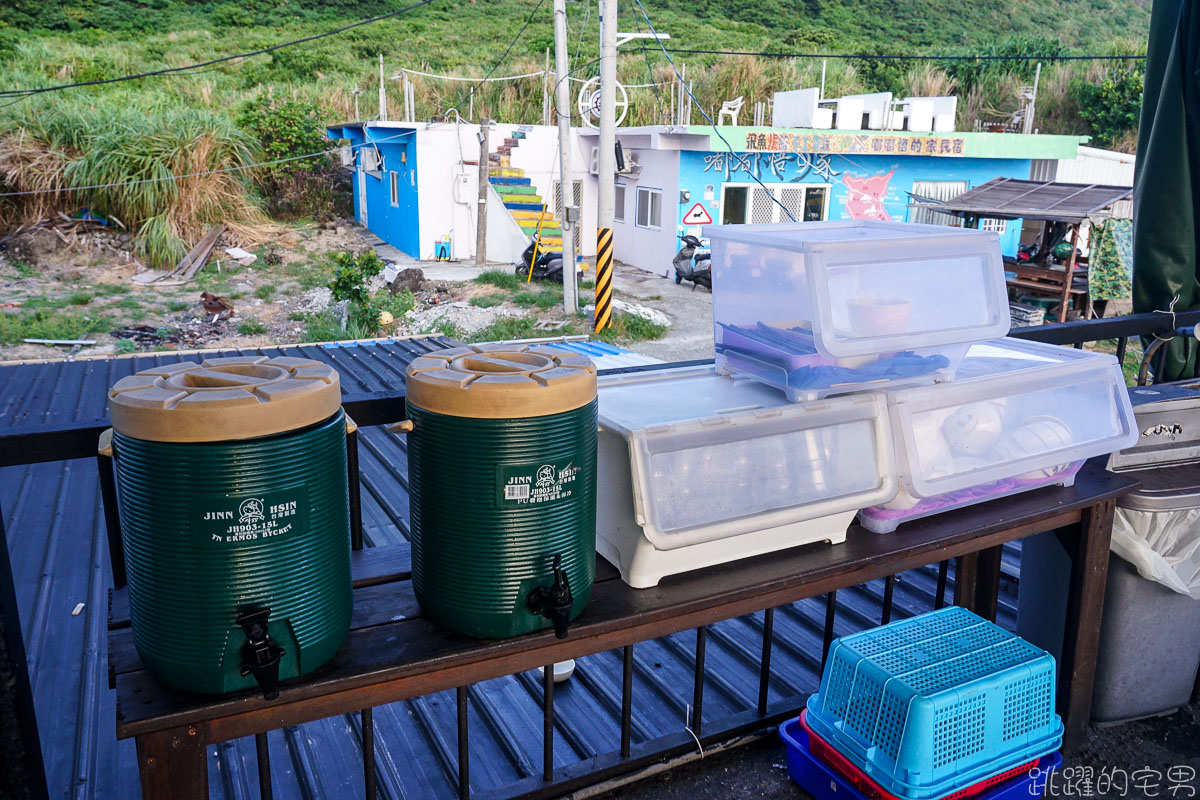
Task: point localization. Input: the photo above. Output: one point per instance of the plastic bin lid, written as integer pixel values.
(235, 397)
(713, 457)
(882, 287)
(501, 381)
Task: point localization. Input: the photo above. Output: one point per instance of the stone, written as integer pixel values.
(409, 278)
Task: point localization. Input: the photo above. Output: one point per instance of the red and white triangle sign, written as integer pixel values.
(698, 215)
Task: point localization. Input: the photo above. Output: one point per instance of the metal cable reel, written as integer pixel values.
(589, 102)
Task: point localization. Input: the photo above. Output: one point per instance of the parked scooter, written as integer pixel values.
(691, 265)
(548, 266)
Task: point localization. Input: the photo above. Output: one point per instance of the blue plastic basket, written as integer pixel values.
(823, 783)
(933, 704)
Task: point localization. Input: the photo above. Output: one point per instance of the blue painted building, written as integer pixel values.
(384, 159)
(416, 185)
(686, 178)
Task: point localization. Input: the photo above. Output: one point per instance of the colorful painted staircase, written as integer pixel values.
(520, 197)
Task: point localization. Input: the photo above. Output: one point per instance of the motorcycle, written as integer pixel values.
(691, 265)
(547, 266)
(1028, 252)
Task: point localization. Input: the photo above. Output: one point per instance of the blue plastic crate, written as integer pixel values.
(823, 783)
(933, 704)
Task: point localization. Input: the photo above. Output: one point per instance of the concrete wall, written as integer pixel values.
(648, 248)
(537, 154)
(438, 193)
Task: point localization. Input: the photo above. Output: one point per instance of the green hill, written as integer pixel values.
(195, 121)
(878, 25)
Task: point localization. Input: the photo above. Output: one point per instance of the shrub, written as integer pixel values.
(307, 187)
(1112, 107)
(351, 276)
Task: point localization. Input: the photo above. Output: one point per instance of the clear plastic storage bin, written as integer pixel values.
(698, 469)
(1018, 415)
(819, 308)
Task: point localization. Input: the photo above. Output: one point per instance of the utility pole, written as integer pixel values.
(382, 93)
(1031, 109)
(481, 216)
(565, 183)
(608, 155)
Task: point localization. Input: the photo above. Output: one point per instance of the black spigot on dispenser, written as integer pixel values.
(555, 601)
(260, 655)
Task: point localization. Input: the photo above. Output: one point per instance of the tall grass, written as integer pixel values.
(59, 145)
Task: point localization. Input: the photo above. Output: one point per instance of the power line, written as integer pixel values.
(715, 128)
(163, 178)
(897, 57)
(507, 50)
(170, 70)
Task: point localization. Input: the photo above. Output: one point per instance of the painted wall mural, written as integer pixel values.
(777, 165)
(860, 186)
(865, 196)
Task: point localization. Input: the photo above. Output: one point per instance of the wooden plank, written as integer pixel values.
(173, 765)
(412, 657)
(1043, 288)
(206, 243)
(202, 257)
(1088, 546)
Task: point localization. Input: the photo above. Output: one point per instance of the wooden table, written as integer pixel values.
(384, 661)
(1053, 282)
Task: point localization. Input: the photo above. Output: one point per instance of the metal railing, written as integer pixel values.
(1161, 326)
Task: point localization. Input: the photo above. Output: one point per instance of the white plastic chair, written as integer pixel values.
(730, 108)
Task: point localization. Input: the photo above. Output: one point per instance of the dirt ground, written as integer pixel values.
(1167, 747)
(56, 289)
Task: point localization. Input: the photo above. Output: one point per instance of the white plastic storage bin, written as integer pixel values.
(698, 469)
(1018, 415)
(819, 308)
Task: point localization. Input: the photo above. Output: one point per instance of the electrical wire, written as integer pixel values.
(162, 178)
(896, 57)
(187, 69)
(658, 101)
(471, 80)
(742, 159)
(507, 50)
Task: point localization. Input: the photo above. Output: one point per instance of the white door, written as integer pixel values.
(362, 196)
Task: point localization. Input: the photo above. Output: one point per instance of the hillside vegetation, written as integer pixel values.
(274, 105)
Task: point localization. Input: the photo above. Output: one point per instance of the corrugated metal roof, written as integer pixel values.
(58, 546)
(1010, 198)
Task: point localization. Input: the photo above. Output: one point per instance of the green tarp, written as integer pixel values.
(1166, 184)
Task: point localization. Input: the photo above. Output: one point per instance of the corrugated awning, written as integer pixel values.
(1010, 198)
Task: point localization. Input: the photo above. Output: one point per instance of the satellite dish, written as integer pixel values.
(589, 103)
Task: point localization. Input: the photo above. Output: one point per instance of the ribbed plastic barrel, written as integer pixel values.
(231, 480)
(502, 478)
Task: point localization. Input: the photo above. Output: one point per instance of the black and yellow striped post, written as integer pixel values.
(604, 248)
